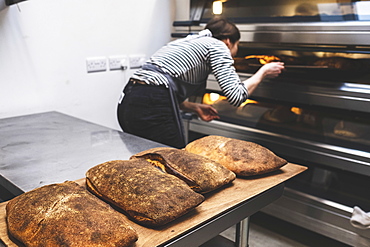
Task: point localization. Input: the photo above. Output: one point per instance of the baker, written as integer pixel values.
(151, 101)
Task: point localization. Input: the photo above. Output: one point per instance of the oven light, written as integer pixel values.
(217, 7)
(211, 98)
(296, 110)
(248, 101)
(214, 97)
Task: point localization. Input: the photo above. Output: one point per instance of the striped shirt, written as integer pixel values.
(192, 59)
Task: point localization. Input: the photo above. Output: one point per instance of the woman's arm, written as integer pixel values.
(235, 90)
(269, 70)
(208, 112)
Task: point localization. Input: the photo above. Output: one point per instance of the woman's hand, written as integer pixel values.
(272, 70)
(205, 112)
(269, 70)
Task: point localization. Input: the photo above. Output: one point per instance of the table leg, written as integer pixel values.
(242, 233)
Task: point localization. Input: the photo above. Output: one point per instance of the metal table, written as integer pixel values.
(51, 147)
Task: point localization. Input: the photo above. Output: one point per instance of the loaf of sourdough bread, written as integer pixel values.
(242, 157)
(66, 214)
(146, 194)
(200, 173)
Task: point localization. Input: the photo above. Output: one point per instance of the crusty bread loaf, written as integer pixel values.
(242, 157)
(350, 129)
(339, 63)
(200, 173)
(242, 65)
(280, 114)
(149, 196)
(66, 214)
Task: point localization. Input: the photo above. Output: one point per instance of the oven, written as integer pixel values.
(317, 113)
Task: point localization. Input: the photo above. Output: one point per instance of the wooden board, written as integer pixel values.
(222, 200)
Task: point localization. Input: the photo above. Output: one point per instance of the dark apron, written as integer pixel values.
(179, 91)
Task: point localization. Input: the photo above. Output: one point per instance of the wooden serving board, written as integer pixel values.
(242, 189)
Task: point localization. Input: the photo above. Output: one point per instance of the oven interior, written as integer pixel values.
(338, 63)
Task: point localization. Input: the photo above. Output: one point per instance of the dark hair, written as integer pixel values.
(222, 28)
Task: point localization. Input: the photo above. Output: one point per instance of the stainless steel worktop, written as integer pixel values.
(51, 147)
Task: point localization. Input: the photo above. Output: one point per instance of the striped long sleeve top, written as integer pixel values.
(192, 59)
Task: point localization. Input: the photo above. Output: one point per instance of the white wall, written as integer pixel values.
(44, 46)
(2, 5)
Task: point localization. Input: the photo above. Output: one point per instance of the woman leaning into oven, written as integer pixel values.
(150, 102)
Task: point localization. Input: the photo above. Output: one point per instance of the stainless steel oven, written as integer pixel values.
(317, 113)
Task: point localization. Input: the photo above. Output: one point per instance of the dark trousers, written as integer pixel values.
(146, 111)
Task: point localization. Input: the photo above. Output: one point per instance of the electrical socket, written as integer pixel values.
(136, 61)
(96, 64)
(118, 62)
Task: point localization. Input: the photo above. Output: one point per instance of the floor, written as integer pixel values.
(267, 231)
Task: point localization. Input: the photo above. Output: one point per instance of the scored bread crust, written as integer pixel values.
(149, 196)
(200, 173)
(242, 157)
(66, 214)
